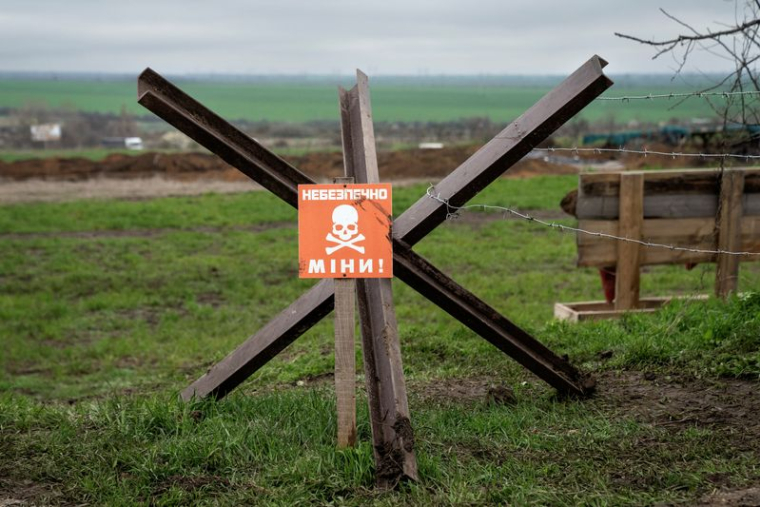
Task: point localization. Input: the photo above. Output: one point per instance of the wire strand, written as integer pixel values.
(652, 96)
(646, 152)
(452, 212)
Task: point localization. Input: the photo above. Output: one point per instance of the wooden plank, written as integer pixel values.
(666, 181)
(663, 206)
(345, 361)
(272, 339)
(390, 419)
(729, 232)
(564, 311)
(698, 233)
(504, 150)
(629, 226)
(598, 310)
(345, 354)
(689, 193)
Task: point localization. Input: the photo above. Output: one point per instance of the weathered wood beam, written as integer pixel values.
(345, 352)
(627, 275)
(663, 206)
(729, 221)
(392, 433)
(695, 233)
(683, 193)
(667, 181)
(345, 360)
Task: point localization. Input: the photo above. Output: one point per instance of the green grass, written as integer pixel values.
(109, 308)
(278, 449)
(289, 101)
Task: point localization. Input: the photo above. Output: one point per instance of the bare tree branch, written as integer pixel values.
(738, 43)
(684, 38)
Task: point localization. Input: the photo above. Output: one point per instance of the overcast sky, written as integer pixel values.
(337, 36)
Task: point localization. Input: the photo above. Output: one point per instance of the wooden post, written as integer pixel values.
(392, 433)
(345, 355)
(345, 361)
(630, 220)
(728, 223)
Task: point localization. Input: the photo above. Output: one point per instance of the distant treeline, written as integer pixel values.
(621, 80)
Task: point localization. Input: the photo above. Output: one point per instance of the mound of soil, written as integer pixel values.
(396, 165)
(113, 166)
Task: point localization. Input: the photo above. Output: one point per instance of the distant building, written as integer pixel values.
(130, 143)
(430, 146)
(47, 132)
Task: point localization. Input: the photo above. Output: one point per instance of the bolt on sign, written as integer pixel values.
(344, 231)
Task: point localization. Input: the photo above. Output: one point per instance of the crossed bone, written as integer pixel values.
(341, 244)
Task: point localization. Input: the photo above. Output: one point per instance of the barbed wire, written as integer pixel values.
(646, 152)
(651, 96)
(452, 212)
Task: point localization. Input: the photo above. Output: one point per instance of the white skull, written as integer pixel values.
(345, 222)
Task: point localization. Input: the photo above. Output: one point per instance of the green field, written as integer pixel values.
(393, 100)
(109, 308)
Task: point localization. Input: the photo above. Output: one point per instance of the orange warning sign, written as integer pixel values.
(344, 231)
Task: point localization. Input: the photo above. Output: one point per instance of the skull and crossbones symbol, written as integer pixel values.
(344, 230)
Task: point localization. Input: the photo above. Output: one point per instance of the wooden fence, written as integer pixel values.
(698, 211)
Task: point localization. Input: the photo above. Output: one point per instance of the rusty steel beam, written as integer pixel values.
(392, 434)
(282, 179)
(211, 131)
(464, 306)
(256, 351)
(504, 150)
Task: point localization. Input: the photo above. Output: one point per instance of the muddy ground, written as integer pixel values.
(403, 164)
(729, 407)
(151, 175)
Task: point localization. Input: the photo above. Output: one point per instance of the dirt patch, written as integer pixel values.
(213, 299)
(178, 166)
(24, 493)
(464, 390)
(401, 164)
(31, 368)
(167, 174)
(191, 483)
(738, 498)
(729, 405)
